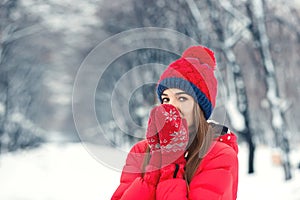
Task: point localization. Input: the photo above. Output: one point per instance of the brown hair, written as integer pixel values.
(201, 141)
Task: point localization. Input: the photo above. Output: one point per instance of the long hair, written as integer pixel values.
(201, 139)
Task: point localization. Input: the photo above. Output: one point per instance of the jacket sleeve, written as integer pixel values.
(216, 179)
(132, 184)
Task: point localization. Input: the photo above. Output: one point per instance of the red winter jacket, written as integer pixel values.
(215, 179)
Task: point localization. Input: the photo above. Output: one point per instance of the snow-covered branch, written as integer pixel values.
(9, 35)
(68, 16)
(27, 124)
(244, 22)
(197, 16)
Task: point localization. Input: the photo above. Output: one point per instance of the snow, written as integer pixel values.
(55, 172)
(67, 171)
(268, 181)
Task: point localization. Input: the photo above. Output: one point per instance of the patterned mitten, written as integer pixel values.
(153, 168)
(173, 136)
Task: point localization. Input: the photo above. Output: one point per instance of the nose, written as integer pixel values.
(175, 103)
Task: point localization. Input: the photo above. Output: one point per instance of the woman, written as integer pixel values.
(183, 156)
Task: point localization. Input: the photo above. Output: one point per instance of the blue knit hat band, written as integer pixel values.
(189, 88)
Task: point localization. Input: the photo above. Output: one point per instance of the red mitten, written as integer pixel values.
(151, 133)
(152, 172)
(173, 136)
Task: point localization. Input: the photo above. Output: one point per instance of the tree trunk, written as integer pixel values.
(237, 104)
(255, 10)
(239, 101)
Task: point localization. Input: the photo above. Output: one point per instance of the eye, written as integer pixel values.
(182, 99)
(165, 100)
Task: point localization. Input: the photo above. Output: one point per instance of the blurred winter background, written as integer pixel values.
(50, 147)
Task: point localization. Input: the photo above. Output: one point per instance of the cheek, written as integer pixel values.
(190, 120)
(187, 109)
(188, 115)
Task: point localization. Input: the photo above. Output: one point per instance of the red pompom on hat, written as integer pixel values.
(194, 74)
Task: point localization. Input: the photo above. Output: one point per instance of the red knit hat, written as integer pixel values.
(194, 74)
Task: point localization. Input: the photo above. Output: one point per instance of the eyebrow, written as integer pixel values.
(178, 93)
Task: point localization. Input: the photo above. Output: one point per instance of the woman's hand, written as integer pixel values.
(153, 141)
(167, 135)
(172, 133)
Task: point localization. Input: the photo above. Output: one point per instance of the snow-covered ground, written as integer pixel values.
(69, 171)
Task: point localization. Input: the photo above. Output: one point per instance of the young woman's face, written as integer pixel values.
(182, 101)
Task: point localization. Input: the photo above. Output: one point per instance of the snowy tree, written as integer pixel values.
(18, 80)
(220, 34)
(44, 42)
(230, 26)
(144, 97)
(42, 45)
(227, 27)
(259, 32)
(70, 31)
